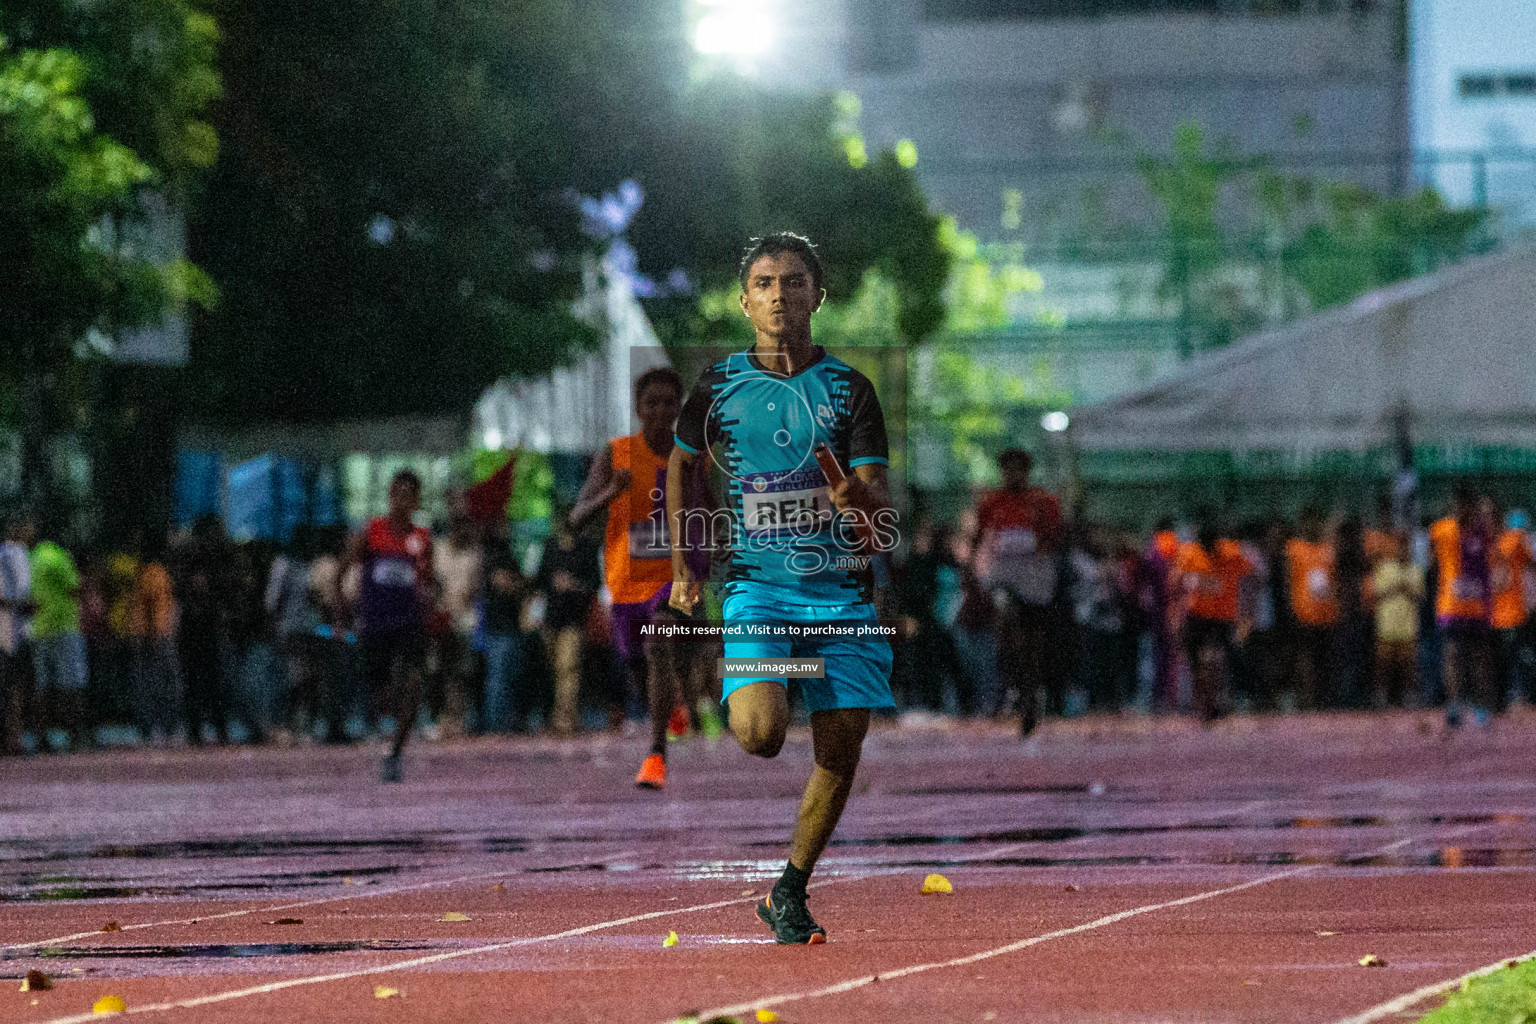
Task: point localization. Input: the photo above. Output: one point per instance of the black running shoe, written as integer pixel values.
(790, 920)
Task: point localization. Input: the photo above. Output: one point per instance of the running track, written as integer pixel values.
(1112, 870)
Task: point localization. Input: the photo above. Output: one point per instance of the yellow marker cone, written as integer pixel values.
(669, 941)
(936, 883)
(766, 1016)
(109, 1004)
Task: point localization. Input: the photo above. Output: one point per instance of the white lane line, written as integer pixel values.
(1408, 1000)
(1034, 940)
(423, 961)
(869, 979)
(362, 893)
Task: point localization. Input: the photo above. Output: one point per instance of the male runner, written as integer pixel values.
(629, 479)
(758, 416)
(1019, 534)
(397, 590)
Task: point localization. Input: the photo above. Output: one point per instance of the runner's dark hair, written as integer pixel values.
(409, 476)
(1015, 456)
(781, 242)
(658, 375)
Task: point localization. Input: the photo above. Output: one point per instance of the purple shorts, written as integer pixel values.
(627, 619)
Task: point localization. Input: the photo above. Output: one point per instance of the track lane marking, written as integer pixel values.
(1410, 999)
(423, 961)
(852, 984)
(1001, 851)
(369, 894)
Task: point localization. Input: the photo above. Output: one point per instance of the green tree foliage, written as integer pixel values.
(391, 222)
(1326, 242)
(744, 161)
(98, 103)
(1345, 240)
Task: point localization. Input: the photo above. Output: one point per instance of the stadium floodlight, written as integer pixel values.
(739, 28)
(1054, 422)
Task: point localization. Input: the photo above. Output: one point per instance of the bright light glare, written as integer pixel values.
(1055, 422)
(737, 27)
(493, 439)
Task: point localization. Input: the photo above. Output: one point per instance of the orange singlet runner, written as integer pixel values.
(637, 549)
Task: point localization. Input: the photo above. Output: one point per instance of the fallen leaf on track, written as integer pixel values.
(36, 981)
(749, 892)
(385, 992)
(1324, 935)
(109, 1004)
(670, 941)
(454, 915)
(287, 920)
(1250, 983)
(1072, 888)
(1372, 960)
(766, 1016)
(498, 887)
(111, 926)
(936, 883)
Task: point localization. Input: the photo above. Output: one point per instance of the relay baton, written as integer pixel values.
(835, 475)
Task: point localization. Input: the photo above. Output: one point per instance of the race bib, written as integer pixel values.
(394, 572)
(1319, 585)
(1200, 583)
(1016, 541)
(649, 538)
(768, 505)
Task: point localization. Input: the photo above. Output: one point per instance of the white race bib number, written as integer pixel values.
(394, 572)
(1319, 585)
(801, 501)
(649, 539)
(1017, 541)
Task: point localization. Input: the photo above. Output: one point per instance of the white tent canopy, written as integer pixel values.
(1453, 353)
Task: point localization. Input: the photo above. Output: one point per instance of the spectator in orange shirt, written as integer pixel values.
(151, 629)
(1462, 543)
(1314, 606)
(1511, 566)
(1207, 574)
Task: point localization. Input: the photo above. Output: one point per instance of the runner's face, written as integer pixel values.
(404, 498)
(781, 295)
(658, 407)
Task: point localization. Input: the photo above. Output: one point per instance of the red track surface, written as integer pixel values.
(1113, 870)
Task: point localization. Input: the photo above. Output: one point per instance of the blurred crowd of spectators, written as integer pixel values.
(204, 640)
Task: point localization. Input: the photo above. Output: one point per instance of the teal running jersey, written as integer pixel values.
(761, 429)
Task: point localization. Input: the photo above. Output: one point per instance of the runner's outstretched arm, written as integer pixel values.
(603, 484)
(685, 587)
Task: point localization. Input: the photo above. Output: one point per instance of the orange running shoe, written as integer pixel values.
(653, 773)
(677, 725)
